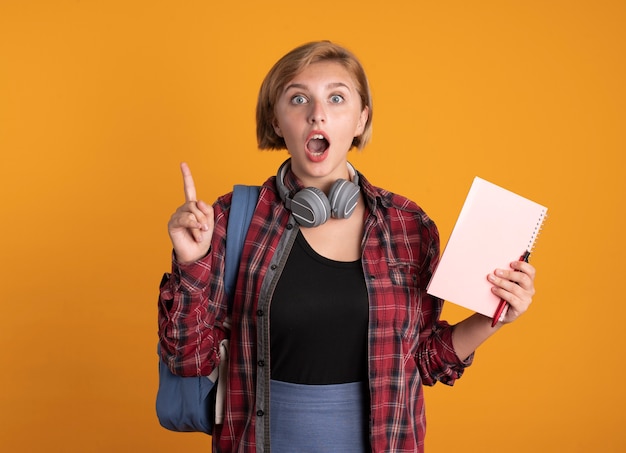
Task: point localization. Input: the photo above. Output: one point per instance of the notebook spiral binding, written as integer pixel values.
(537, 231)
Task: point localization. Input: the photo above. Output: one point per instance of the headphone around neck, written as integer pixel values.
(311, 207)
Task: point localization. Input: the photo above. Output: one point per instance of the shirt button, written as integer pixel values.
(273, 267)
(260, 413)
(261, 363)
(259, 313)
(289, 226)
(372, 277)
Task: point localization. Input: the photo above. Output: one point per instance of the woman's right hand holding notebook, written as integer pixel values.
(515, 286)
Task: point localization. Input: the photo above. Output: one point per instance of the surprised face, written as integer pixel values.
(318, 115)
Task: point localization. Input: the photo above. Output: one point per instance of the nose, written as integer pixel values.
(317, 114)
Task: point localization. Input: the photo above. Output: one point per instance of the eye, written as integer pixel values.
(298, 99)
(336, 99)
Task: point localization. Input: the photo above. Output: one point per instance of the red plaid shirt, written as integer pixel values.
(408, 345)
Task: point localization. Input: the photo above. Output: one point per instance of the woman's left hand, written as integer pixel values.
(515, 286)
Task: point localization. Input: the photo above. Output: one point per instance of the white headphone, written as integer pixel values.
(311, 207)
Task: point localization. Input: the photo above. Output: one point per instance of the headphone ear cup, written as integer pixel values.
(310, 207)
(343, 198)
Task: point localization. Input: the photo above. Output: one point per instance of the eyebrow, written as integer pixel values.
(302, 86)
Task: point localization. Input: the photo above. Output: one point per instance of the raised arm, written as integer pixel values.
(188, 330)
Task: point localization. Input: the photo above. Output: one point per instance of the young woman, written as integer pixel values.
(332, 333)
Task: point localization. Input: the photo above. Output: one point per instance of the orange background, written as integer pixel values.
(100, 101)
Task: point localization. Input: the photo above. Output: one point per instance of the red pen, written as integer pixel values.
(501, 310)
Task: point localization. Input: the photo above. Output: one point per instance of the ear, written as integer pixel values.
(360, 127)
(277, 129)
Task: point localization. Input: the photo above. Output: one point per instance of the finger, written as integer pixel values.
(518, 284)
(517, 299)
(520, 302)
(518, 278)
(188, 185)
(502, 286)
(200, 212)
(184, 219)
(189, 217)
(207, 212)
(185, 224)
(523, 275)
(507, 282)
(526, 268)
(206, 209)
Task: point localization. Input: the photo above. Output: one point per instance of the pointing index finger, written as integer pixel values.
(189, 186)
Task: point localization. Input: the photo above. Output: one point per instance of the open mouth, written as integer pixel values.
(317, 144)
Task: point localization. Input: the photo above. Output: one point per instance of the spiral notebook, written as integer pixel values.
(495, 227)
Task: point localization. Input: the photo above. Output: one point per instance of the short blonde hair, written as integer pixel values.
(291, 65)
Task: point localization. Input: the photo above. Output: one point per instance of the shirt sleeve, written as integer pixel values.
(436, 357)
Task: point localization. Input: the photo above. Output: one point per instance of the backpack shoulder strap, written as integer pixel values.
(241, 210)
